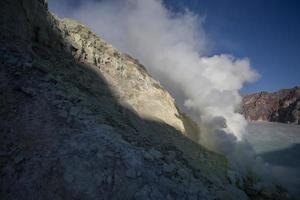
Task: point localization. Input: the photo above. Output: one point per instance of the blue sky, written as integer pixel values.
(265, 31)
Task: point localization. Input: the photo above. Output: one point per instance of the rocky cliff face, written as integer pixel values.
(282, 106)
(79, 120)
(127, 78)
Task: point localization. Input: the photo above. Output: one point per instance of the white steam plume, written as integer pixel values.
(172, 47)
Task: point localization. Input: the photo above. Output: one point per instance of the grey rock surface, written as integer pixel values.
(79, 120)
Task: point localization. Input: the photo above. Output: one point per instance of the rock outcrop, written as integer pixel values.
(79, 120)
(127, 78)
(282, 106)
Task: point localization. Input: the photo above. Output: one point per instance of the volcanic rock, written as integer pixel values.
(282, 106)
(80, 120)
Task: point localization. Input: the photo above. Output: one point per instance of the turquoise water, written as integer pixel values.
(279, 146)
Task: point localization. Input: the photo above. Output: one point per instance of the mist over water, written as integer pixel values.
(279, 146)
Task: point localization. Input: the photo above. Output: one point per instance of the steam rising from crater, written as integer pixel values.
(172, 47)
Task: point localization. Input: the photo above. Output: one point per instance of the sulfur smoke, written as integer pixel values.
(173, 47)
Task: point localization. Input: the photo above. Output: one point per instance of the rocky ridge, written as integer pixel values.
(79, 120)
(127, 78)
(282, 106)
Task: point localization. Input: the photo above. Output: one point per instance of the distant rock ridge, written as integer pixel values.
(281, 106)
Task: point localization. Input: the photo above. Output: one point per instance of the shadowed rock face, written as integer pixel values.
(79, 120)
(127, 78)
(282, 106)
